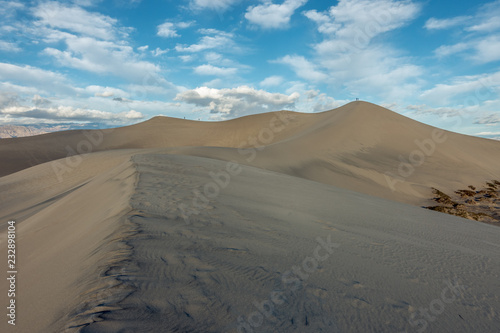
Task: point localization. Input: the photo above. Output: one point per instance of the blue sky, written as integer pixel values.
(119, 62)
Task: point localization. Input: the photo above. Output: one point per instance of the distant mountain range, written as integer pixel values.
(18, 131)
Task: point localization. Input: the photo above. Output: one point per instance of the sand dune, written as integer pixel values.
(116, 254)
(156, 230)
(360, 146)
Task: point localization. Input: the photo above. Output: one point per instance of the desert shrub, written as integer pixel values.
(491, 186)
(442, 197)
(491, 194)
(438, 209)
(459, 206)
(478, 216)
(465, 193)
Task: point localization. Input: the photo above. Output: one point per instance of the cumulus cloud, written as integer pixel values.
(158, 52)
(169, 29)
(9, 47)
(488, 133)
(273, 16)
(350, 56)
(104, 57)
(68, 113)
(77, 20)
(9, 8)
(465, 90)
(272, 81)
(481, 50)
(100, 91)
(93, 42)
(491, 119)
(447, 50)
(8, 99)
(486, 19)
(423, 109)
(217, 5)
(214, 39)
(33, 77)
(363, 19)
(216, 71)
(436, 24)
(39, 101)
(487, 49)
(323, 102)
(303, 68)
(238, 101)
(481, 41)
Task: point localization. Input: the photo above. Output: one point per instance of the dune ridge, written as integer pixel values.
(225, 231)
(140, 266)
(360, 146)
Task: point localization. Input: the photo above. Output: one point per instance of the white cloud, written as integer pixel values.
(143, 48)
(323, 102)
(443, 111)
(272, 81)
(9, 8)
(481, 50)
(446, 50)
(169, 29)
(158, 52)
(105, 57)
(77, 20)
(39, 101)
(9, 47)
(435, 24)
(303, 68)
(363, 19)
(465, 90)
(32, 76)
(273, 16)
(481, 42)
(352, 57)
(187, 58)
(487, 50)
(219, 40)
(8, 99)
(491, 119)
(94, 42)
(68, 113)
(100, 91)
(382, 83)
(488, 133)
(486, 19)
(213, 70)
(238, 101)
(218, 5)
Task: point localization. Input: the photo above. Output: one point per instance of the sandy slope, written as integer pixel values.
(57, 239)
(117, 255)
(359, 146)
(123, 239)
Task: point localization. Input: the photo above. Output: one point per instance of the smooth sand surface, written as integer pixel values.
(359, 146)
(156, 231)
(117, 255)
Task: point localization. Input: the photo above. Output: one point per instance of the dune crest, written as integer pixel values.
(277, 222)
(359, 146)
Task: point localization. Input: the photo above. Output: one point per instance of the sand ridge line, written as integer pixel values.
(118, 274)
(106, 286)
